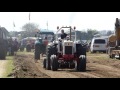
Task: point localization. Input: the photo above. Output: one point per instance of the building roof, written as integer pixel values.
(4, 30)
(45, 31)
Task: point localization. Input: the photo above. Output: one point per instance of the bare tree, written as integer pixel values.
(29, 29)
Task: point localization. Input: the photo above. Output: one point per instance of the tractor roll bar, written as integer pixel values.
(58, 29)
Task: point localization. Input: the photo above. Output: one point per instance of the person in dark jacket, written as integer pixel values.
(63, 34)
(15, 45)
(10, 47)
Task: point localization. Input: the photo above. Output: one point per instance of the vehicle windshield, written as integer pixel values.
(72, 36)
(99, 41)
(49, 35)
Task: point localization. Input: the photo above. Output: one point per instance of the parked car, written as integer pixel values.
(98, 44)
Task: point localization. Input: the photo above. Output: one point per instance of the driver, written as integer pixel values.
(63, 35)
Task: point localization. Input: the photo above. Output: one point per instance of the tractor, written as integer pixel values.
(114, 42)
(40, 46)
(65, 53)
(3, 42)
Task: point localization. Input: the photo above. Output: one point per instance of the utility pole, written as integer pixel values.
(14, 27)
(29, 17)
(29, 24)
(47, 25)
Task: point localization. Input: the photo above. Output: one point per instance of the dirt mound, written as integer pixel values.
(26, 68)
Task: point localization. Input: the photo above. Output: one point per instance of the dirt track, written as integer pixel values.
(98, 66)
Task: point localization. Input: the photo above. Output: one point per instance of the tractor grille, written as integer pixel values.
(68, 49)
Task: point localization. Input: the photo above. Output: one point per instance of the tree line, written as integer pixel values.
(30, 29)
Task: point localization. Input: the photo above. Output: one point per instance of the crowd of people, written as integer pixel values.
(13, 46)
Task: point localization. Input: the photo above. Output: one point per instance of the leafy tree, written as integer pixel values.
(109, 33)
(91, 33)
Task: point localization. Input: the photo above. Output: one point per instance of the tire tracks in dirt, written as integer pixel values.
(55, 74)
(64, 73)
(104, 71)
(95, 69)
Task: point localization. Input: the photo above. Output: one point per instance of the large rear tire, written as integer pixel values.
(80, 65)
(48, 66)
(44, 63)
(48, 63)
(54, 63)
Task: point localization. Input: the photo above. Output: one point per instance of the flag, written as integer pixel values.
(47, 23)
(13, 24)
(29, 16)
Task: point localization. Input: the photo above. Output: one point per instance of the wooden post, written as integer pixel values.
(70, 33)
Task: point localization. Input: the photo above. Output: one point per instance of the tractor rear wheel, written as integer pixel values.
(44, 63)
(80, 65)
(48, 61)
(54, 64)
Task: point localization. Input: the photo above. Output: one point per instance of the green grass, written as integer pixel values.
(24, 52)
(9, 66)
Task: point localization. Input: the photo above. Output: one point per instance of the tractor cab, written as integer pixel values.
(44, 37)
(45, 33)
(65, 46)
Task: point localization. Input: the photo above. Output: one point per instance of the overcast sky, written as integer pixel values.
(82, 20)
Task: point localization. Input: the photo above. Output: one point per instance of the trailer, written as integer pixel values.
(3, 42)
(114, 42)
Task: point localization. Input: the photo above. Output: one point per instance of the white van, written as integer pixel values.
(98, 44)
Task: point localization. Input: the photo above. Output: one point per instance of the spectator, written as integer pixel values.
(15, 43)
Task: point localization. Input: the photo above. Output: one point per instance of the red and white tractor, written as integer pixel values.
(65, 53)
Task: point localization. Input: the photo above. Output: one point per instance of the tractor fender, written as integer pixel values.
(52, 56)
(82, 56)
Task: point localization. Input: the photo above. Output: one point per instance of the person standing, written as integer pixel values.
(10, 47)
(45, 43)
(15, 46)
